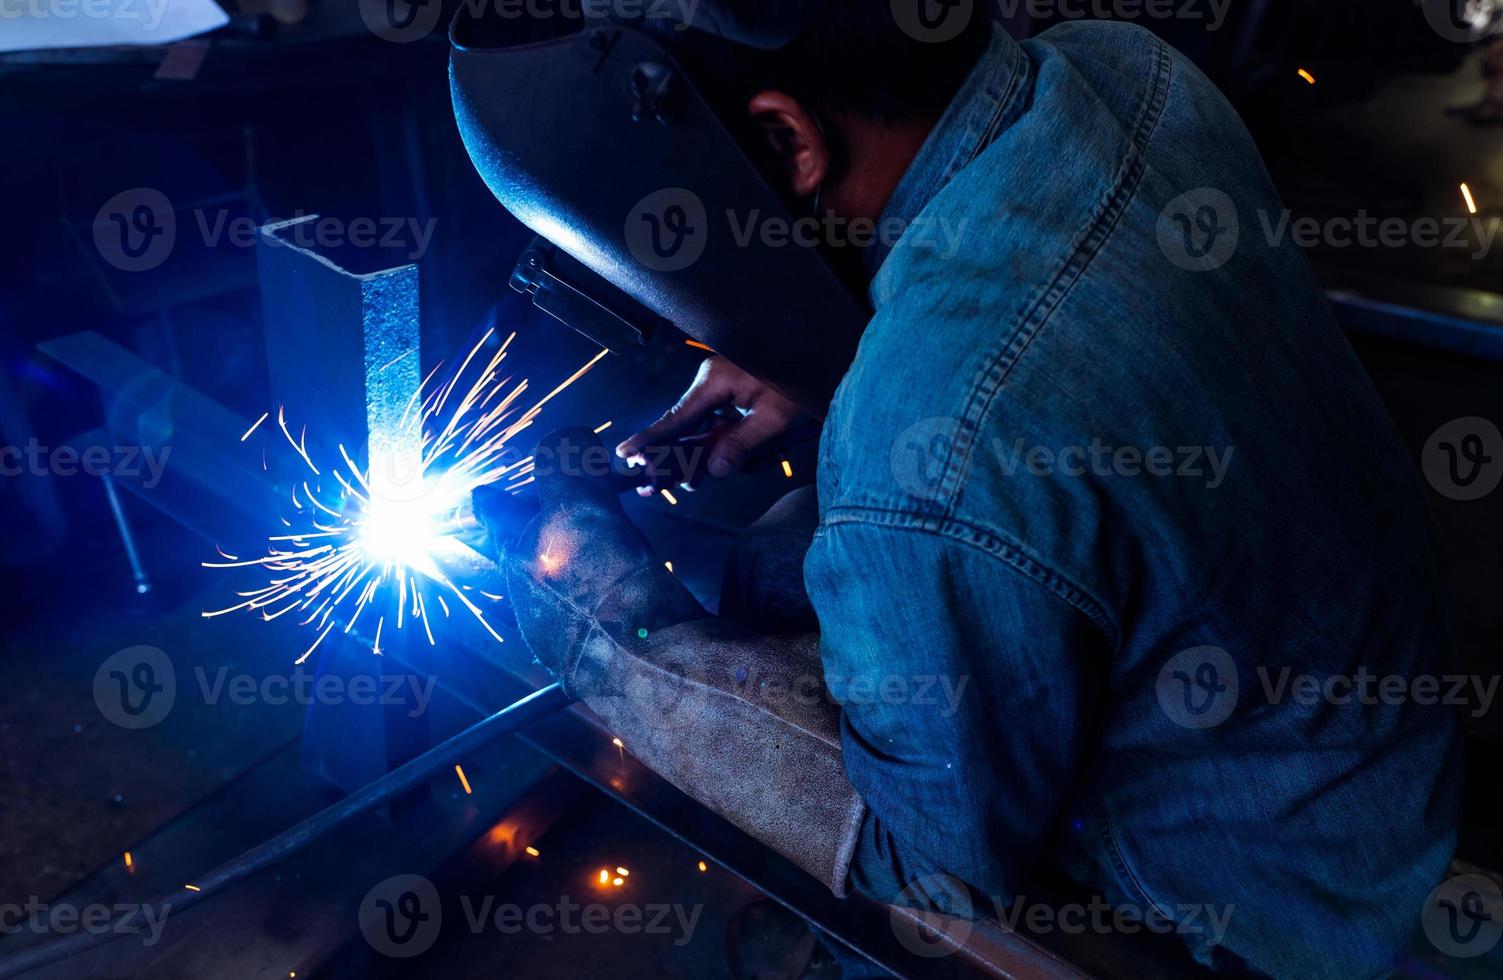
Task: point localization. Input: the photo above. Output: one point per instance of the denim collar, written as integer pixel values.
(991, 98)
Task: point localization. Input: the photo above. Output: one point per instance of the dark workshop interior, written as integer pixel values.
(221, 243)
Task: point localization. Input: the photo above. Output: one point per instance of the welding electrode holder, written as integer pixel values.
(578, 298)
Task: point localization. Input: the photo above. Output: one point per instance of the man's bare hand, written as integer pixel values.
(764, 415)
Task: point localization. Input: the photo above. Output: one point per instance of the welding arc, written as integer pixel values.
(536, 706)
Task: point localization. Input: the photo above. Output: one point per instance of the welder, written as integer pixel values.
(1113, 634)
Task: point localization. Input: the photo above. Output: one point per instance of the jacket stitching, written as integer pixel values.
(1053, 294)
(989, 542)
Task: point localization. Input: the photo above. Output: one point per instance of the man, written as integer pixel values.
(1105, 466)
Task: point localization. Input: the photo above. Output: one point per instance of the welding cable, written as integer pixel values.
(535, 707)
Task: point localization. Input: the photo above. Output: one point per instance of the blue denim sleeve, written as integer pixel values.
(966, 693)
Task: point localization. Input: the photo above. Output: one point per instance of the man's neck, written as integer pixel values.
(877, 156)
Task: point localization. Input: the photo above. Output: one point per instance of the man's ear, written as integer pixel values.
(795, 137)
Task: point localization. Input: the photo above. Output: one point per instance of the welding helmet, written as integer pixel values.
(646, 207)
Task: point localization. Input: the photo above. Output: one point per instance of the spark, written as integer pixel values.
(1307, 76)
(703, 867)
(668, 565)
(1471, 202)
(787, 469)
(130, 864)
(532, 851)
(605, 876)
(463, 781)
(253, 428)
(373, 537)
(668, 496)
(193, 888)
(623, 872)
(617, 882)
(605, 426)
(697, 344)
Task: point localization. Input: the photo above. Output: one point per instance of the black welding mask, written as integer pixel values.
(591, 134)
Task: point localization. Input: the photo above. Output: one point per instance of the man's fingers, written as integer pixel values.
(738, 441)
(707, 393)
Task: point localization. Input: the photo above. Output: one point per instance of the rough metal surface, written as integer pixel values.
(343, 351)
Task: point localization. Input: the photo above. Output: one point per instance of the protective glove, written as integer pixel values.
(736, 720)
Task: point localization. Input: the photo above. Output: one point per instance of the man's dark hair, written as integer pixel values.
(853, 59)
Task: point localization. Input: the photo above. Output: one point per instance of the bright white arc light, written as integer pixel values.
(406, 532)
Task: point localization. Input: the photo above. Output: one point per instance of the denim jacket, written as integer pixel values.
(1113, 526)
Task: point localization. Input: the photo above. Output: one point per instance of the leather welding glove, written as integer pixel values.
(738, 721)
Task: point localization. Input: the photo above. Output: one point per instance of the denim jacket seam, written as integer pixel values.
(986, 541)
(1051, 296)
(1119, 860)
